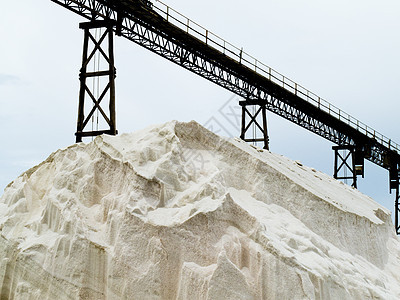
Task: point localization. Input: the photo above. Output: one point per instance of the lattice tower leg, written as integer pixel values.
(397, 211)
(87, 92)
(259, 115)
(348, 164)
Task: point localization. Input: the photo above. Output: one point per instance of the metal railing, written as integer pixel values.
(218, 43)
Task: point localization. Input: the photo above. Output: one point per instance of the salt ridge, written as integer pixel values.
(176, 212)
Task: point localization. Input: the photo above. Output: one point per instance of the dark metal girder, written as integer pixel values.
(84, 75)
(253, 121)
(351, 161)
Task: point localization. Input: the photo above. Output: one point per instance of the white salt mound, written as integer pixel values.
(176, 212)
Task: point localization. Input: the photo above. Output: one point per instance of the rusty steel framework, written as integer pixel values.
(110, 73)
(263, 129)
(169, 34)
(349, 162)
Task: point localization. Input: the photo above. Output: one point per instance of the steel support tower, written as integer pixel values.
(258, 128)
(349, 163)
(110, 73)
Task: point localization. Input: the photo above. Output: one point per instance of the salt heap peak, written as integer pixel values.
(177, 212)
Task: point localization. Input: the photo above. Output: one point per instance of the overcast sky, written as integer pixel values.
(345, 51)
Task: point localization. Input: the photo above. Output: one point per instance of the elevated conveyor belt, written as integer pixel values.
(166, 32)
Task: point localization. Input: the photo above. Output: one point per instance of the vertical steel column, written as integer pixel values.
(395, 185)
(111, 76)
(82, 90)
(265, 133)
(397, 211)
(253, 120)
(394, 179)
(110, 119)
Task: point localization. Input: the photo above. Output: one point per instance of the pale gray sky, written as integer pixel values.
(345, 51)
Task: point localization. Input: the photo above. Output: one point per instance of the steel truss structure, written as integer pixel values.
(193, 49)
(110, 73)
(253, 121)
(349, 163)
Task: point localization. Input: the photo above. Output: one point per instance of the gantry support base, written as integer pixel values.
(260, 108)
(84, 75)
(349, 164)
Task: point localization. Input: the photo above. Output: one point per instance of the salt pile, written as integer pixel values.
(176, 212)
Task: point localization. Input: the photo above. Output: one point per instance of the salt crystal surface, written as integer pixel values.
(176, 212)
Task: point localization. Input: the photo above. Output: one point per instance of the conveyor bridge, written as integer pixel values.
(166, 32)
